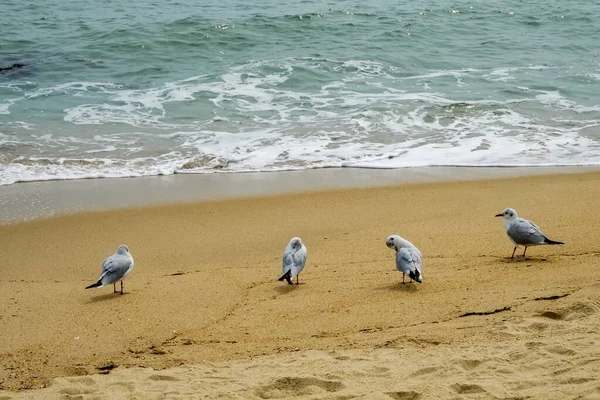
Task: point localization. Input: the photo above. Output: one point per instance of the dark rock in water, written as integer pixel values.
(23, 66)
(12, 67)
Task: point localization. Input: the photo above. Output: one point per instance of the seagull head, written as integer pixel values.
(295, 243)
(394, 242)
(509, 213)
(123, 249)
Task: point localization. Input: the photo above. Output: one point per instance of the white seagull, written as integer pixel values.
(409, 260)
(294, 260)
(115, 268)
(523, 232)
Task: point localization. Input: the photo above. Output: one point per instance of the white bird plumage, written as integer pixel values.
(294, 260)
(409, 260)
(523, 232)
(115, 268)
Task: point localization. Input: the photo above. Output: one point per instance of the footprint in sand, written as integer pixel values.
(372, 371)
(575, 311)
(82, 380)
(424, 371)
(75, 391)
(465, 388)
(560, 350)
(162, 378)
(469, 365)
(551, 315)
(577, 380)
(294, 387)
(404, 395)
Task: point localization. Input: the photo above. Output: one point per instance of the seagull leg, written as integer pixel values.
(121, 287)
(115, 287)
(403, 278)
(297, 279)
(524, 251)
(515, 249)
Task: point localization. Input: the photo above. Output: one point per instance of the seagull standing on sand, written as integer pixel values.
(409, 260)
(294, 260)
(523, 232)
(115, 268)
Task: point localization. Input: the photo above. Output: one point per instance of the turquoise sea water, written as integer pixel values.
(131, 88)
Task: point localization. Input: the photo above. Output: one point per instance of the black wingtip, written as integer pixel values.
(287, 276)
(548, 241)
(93, 285)
(415, 276)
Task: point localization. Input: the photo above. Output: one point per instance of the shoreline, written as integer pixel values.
(31, 200)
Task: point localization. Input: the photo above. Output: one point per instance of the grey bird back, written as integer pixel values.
(409, 259)
(114, 268)
(523, 232)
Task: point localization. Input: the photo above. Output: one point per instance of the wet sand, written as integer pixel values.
(31, 200)
(205, 317)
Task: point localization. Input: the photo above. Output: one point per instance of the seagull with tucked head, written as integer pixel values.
(294, 260)
(409, 260)
(523, 232)
(115, 268)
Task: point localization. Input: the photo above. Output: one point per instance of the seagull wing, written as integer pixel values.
(299, 260)
(418, 260)
(409, 261)
(288, 260)
(405, 260)
(115, 268)
(525, 232)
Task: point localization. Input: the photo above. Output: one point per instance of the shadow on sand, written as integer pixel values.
(521, 259)
(284, 289)
(105, 297)
(399, 287)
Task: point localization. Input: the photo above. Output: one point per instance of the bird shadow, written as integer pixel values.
(105, 297)
(400, 287)
(521, 259)
(284, 289)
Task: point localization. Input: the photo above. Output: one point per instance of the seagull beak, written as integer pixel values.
(500, 215)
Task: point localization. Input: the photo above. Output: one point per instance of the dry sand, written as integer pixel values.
(203, 305)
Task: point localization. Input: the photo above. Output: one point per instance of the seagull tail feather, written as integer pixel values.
(287, 277)
(93, 285)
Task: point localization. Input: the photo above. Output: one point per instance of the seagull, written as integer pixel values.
(523, 232)
(115, 268)
(294, 260)
(409, 260)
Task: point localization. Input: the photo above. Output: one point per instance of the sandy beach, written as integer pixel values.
(204, 315)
